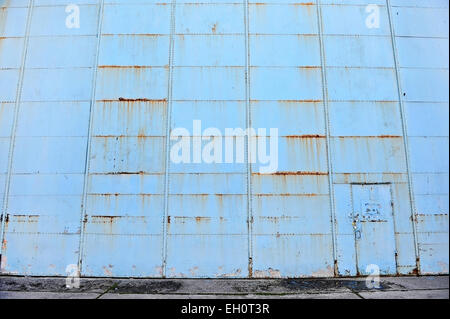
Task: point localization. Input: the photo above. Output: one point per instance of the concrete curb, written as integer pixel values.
(429, 287)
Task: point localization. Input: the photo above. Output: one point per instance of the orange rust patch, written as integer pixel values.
(199, 219)
(370, 136)
(24, 218)
(299, 101)
(122, 99)
(109, 219)
(415, 272)
(125, 173)
(133, 34)
(141, 100)
(287, 195)
(306, 136)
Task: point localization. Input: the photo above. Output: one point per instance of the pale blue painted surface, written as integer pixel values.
(355, 108)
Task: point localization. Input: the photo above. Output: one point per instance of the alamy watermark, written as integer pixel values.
(73, 17)
(73, 276)
(373, 19)
(373, 279)
(234, 145)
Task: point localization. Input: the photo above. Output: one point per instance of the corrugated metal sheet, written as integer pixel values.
(362, 115)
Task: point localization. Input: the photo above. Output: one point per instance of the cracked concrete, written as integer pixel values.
(429, 287)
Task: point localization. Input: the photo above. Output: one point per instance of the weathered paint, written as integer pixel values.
(362, 115)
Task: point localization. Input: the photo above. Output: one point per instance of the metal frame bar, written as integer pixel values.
(405, 136)
(89, 138)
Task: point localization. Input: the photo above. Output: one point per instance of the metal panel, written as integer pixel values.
(366, 126)
(41, 228)
(424, 79)
(373, 224)
(122, 233)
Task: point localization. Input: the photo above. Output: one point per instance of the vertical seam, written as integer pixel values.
(167, 146)
(394, 226)
(355, 244)
(15, 119)
(327, 133)
(405, 136)
(89, 139)
(249, 124)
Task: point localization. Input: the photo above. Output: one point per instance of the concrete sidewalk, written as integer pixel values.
(424, 287)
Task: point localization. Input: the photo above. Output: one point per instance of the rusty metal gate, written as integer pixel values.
(91, 91)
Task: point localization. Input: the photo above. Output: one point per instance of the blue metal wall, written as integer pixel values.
(362, 114)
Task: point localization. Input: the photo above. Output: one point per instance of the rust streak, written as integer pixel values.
(122, 99)
(294, 173)
(25, 216)
(141, 100)
(370, 136)
(129, 67)
(105, 219)
(306, 136)
(131, 101)
(125, 173)
(299, 101)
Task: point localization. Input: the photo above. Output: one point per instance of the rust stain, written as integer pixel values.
(199, 219)
(122, 99)
(299, 101)
(287, 195)
(305, 136)
(123, 173)
(111, 136)
(293, 173)
(370, 136)
(133, 34)
(133, 101)
(294, 4)
(105, 219)
(24, 218)
(276, 219)
(117, 194)
(303, 35)
(23, 215)
(269, 273)
(414, 272)
(128, 67)
(107, 271)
